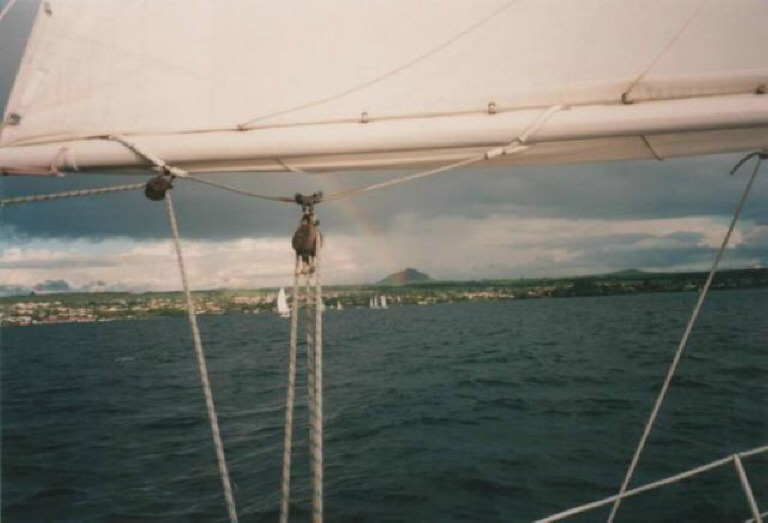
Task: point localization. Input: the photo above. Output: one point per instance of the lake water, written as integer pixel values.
(503, 411)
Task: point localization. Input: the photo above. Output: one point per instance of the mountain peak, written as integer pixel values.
(405, 277)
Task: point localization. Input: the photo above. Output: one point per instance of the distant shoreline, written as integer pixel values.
(101, 307)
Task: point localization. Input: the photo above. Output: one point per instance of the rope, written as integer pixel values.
(683, 343)
(282, 199)
(650, 486)
(71, 194)
(290, 399)
(317, 446)
(747, 489)
(313, 332)
(351, 192)
(202, 368)
(158, 162)
(517, 146)
(397, 181)
(312, 401)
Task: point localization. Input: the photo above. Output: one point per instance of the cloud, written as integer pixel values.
(614, 191)
(446, 247)
(52, 286)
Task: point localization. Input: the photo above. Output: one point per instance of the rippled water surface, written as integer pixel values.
(487, 412)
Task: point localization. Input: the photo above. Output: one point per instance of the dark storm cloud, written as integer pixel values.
(615, 191)
(615, 240)
(53, 286)
(91, 262)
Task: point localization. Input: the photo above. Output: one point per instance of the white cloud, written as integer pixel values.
(446, 247)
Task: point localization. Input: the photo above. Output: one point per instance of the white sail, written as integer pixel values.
(382, 302)
(233, 84)
(282, 304)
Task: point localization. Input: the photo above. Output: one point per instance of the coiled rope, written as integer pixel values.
(684, 339)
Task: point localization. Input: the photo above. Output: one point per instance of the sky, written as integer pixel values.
(467, 224)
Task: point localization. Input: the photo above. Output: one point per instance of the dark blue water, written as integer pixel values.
(467, 412)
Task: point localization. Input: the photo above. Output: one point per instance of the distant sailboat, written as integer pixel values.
(282, 304)
(373, 303)
(339, 306)
(383, 302)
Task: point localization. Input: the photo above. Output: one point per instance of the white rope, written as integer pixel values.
(650, 486)
(762, 515)
(70, 194)
(312, 399)
(285, 494)
(682, 345)
(313, 331)
(158, 162)
(747, 489)
(202, 367)
(317, 462)
(517, 146)
(284, 199)
(397, 181)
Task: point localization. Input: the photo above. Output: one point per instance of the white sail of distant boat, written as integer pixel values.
(339, 306)
(282, 304)
(382, 302)
(373, 303)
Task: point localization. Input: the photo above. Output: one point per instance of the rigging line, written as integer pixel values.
(283, 199)
(317, 462)
(665, 50)
(373, 81)
(71, 194)
(747, 488)
(159, 163)
(290, 398)
(653, 485)
(311, 389)
(422, 174)
(517, 146)
(683, 342)
(7, 8)
(202, 367)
